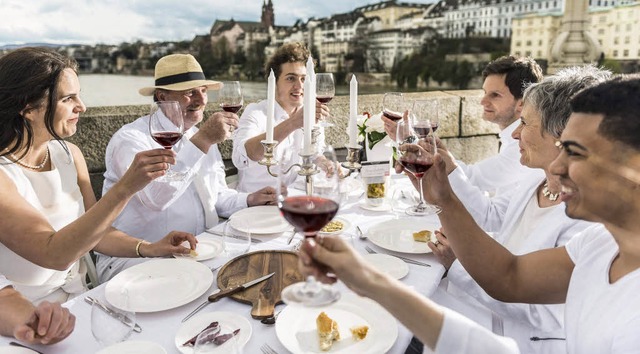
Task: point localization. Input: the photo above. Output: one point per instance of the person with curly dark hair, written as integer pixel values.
(289, 66)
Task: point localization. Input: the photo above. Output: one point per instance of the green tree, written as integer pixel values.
(222, 56)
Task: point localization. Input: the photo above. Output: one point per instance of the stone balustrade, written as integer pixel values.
(462, 128)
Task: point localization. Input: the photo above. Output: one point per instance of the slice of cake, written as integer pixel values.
(327, 331)
(359, 332)
(422, 236)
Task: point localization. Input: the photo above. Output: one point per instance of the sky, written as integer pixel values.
(116, 21)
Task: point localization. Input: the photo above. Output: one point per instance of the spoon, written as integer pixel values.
(270, 320)
(361, 234)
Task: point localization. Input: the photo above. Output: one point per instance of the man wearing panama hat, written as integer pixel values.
(193, 203)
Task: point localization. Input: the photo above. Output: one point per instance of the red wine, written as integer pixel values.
(324, 99)
(417, 169)
(392, 116)
(308, 214)
(422, 130)
(233, 108)
(166, 139)
(434, 127)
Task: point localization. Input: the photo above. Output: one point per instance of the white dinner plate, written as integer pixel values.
(158, 285)
(391, 265)
(262, 219)
(397, 235)
(207, 248)
(9, 349)
(134, 347)
(296, 326)
(227, 321)
(345, 225)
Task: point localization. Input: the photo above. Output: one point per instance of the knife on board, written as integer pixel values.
(219, 294)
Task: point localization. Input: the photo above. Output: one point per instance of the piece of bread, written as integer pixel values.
(422, 236)
(193, 253)
(359, 332)
(327, 331)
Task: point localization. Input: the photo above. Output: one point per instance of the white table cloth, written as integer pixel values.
(161, 327)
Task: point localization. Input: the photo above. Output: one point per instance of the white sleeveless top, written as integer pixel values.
(57, 196)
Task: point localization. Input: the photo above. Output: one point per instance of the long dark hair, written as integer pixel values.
(28, 76)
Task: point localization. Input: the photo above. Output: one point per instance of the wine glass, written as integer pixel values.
(410, 156)
(237, 241)
(110, 325)
(230, 96)
(325, 90)
(309, 213)
(393, 105)
(166, 126)
(426, 109)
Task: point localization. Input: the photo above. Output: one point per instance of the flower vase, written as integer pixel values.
(381, 151)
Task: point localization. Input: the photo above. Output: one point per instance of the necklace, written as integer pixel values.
(31, 167)
(545, 192)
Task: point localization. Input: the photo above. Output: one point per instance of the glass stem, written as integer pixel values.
(422, 204)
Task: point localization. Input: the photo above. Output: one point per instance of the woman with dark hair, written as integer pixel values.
(45, 187)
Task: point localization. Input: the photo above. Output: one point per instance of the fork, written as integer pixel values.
(266, 349)
(407, 260)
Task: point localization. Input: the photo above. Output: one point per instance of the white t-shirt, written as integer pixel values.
(600, 317)
(4, 282)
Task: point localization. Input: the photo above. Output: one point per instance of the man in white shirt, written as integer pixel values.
(46, 323)
(504, 81)
(288, 64)
(193, 203)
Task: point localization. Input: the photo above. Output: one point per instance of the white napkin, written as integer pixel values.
(208, 199)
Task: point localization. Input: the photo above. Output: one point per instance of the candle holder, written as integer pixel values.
(352, 162)
(267, 159)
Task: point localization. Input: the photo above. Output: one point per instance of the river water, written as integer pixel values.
(122, 90)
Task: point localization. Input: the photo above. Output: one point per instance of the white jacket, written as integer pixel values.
(497, 173)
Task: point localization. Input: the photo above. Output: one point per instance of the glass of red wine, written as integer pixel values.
(393, 105)
(230, 96)
(308, 213)
(166, 126)
(325, 90)
(412, 157)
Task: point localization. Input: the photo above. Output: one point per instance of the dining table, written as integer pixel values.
(160, 327)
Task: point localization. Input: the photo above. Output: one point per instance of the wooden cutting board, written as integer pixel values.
(263, 296)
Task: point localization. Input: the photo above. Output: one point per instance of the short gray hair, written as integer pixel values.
(550, 97)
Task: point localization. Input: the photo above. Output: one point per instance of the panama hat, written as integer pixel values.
(178, 72)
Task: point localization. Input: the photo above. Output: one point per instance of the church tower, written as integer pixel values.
(268, 18)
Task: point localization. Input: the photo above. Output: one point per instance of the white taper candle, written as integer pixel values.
(271, 101)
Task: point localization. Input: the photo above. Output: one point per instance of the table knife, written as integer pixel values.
(220, 233)
(219, 294)
(108, 311)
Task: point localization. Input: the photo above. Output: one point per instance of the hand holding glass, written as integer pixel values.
(308, 214)
(410, 156)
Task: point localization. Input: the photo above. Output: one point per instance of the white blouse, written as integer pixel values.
(57, 196)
